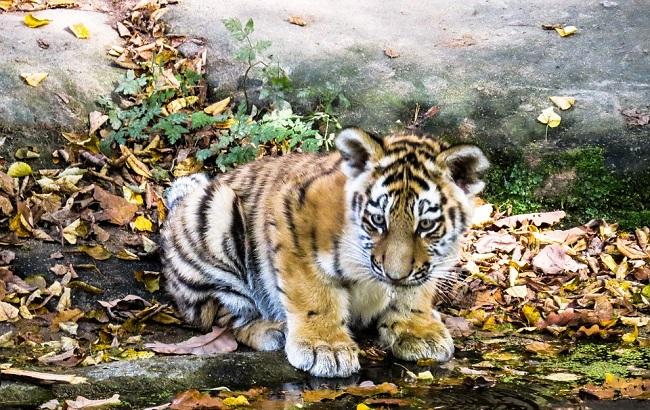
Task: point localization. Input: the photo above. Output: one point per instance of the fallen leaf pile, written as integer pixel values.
(523, 275)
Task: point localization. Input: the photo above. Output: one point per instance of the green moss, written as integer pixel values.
(593, 360)
(593, 191)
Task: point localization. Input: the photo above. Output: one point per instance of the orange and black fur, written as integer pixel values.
(291, 252)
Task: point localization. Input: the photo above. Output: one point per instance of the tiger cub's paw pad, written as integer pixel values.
(324, 360)
(411, 348)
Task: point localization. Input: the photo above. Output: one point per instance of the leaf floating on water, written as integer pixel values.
(217, 341)
(631, 336)
(33, 21)
(80, 31)
(194, 399)
(562, 377)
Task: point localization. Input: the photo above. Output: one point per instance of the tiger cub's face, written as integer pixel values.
(410, 201)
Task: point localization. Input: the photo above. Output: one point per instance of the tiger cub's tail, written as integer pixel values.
(183, 186)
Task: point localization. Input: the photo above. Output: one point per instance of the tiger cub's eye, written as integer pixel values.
(425, 225)
(377, 219)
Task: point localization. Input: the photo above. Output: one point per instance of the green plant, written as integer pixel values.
(145, 114)
(275, 81)
(278, 130)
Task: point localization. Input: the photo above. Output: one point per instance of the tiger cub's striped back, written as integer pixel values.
(292, 251)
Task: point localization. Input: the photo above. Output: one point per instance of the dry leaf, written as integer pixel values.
(218, 107)
(33, 79)
(82, 403)
(562, 377)
(180, 103)
(549, 117)
(96, 119)
(116, 209)
(297, 20)
(80, 30)
(19, 169)
(142, 224)
(33, 21)
(41, 377)
(495, 241)
(536, 219)
(217, 341)
(553, 259)
(194, 399)
(97, 252)
(390, 53)
(563, 103)
(566, 31)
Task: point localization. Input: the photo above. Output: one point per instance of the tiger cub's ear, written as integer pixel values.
(359, 149)
(465, 163)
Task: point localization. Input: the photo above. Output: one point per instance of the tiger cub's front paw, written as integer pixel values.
(338, 356)
(435, 344)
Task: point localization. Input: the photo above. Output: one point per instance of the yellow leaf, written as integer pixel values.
(187, 166)
(32, 21)
(134, 163)
(97, 252)
(218, 107)
(225, 124)
(549, 117)
(564, 103)
(361, 406)
(6, 4)
(236, 401)
(621, 270)
(132, 196)
(76, 229)
(631, 336)
(609, 261)
(180, 103)
(566, 31)
(532, 314)
(80, 30)
(33, 79)
(142, 223)
(19, 169)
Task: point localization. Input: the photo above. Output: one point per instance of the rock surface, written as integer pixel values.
(488, 66)
(79, 71)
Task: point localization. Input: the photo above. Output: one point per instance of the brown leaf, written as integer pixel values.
(116, 209)
(536, 219)
(219, 340)
(315, 396)
(553, 259)
(82, 403)
(96, 119)
(390, 53)
(496, 241)
(194, 399)
(297, 20)
(635, 117)
(365, 391)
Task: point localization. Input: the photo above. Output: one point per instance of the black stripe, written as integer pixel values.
(213, 284)
(302, 190)
(238, 232)
(288, 214)
(212, 259)
(337, 256)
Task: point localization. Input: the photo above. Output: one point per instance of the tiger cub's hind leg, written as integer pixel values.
(261, 334)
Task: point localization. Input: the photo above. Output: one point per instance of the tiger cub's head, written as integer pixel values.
(410, 200)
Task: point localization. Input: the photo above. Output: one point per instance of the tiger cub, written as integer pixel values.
(295, 251)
